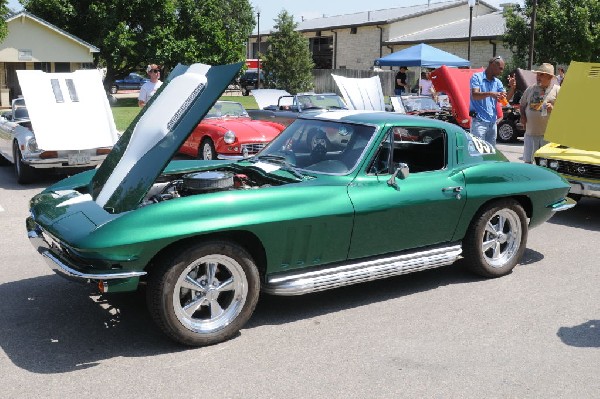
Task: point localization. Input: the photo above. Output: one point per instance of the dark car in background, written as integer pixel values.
(249, 80)
(133, 81)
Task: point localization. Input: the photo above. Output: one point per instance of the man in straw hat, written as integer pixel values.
(536, 105)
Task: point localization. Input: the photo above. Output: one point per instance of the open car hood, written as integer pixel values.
(68, 111)
(574, 119)
(154, 136)
(456, 84)
(361, 93)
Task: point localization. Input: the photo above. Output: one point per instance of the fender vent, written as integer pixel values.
(594, 72)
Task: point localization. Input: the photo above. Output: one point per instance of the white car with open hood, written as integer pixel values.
(63, 121)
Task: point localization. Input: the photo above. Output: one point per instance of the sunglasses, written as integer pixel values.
(155, 70)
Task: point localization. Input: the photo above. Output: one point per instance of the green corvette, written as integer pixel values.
(337, 198)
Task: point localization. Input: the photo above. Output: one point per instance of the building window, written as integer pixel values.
(62, 67)
(353, 30)
(42, 66)
(321, 49)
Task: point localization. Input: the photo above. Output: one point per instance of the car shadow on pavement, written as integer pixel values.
(275, 310)
(44, 178)
(585, 335)
(585, 215)
(50, 325)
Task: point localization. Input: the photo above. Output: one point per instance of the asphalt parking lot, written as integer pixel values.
(438, 333)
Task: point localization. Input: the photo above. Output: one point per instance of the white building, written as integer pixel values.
(33, 43)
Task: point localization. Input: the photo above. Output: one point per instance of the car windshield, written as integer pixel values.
(320, 101)
(412, 104)
(226, 108)
(322, 146)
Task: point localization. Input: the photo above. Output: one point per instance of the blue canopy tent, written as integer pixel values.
(421, 55)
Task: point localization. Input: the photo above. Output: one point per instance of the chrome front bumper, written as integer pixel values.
(52, 254)
(584, 188)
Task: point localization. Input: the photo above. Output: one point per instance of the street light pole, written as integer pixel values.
(471, 5)
(258, 54)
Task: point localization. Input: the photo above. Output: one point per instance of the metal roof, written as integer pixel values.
(484, 26)
(55, 28)
(384, 16)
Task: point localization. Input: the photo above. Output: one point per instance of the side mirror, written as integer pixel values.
(403, 171)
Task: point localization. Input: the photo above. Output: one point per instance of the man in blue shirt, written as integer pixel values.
(486, 91)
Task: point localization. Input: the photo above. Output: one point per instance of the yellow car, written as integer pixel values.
(574, 150)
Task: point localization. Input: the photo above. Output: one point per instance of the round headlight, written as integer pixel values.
(554, 165)
(543, 162)
(229, 137)
(32, 145)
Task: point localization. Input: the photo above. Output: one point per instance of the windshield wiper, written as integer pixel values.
(279, 160)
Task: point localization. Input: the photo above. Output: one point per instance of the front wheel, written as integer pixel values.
(204, 294)
(24, 172)
(207, 150)
(114, 89)
(496, 238)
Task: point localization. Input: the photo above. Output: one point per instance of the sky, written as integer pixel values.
(269, 9)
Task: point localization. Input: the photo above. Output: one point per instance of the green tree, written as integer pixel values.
(287, 62)
(565, 30)
(133, 33)
(4, 12)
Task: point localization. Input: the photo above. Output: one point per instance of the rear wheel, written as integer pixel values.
(207, 150)
(24, 172)
(507, 132)
(496, 238)
(204, 294)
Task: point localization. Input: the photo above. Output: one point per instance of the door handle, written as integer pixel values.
(455, 189)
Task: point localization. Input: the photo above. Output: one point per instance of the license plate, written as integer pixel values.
(79, 159)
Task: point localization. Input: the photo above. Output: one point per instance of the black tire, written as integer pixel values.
(207, 150)
(114, 89)
(496, 238)
(507, 132)
(245, 92)
(25, 173)
(576, 197)
(4, 161)
(217, 279)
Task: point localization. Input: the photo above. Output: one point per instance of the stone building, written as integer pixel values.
(355, 41)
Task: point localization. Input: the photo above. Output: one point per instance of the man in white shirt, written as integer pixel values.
(149, 88)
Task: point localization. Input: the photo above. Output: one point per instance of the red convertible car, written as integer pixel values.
(227, 132)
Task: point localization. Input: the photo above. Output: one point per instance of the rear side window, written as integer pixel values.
(422, 149)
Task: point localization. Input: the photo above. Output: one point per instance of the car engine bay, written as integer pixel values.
(204, 182)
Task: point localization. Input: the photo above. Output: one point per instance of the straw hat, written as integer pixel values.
(546, 68)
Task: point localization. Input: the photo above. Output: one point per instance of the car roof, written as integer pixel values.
(376, 118)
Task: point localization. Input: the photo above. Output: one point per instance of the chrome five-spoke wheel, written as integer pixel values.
(210, 293)
(496, 238)
(203, 293)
